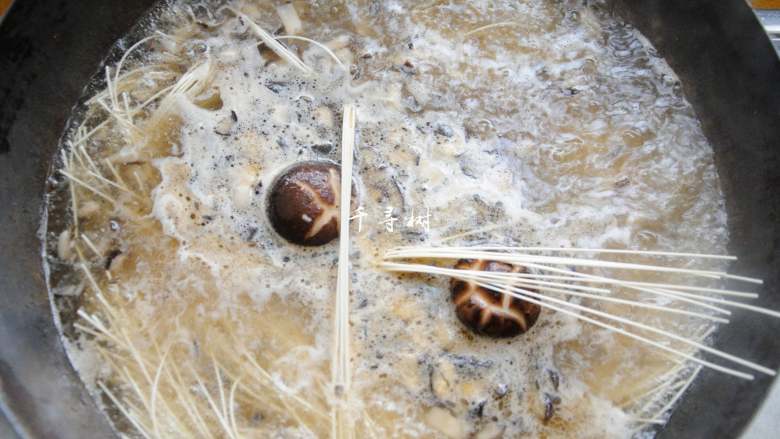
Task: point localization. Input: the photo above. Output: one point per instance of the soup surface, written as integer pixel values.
(519, 123)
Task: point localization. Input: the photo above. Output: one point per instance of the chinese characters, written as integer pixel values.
(420, 220)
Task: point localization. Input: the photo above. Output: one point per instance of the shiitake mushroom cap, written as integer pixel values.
(303, 203)
(490, 312)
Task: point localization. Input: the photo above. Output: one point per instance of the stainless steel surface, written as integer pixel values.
(771, 21)
(766, 423)
(6, 431)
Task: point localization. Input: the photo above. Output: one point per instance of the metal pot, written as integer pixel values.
(49, 49)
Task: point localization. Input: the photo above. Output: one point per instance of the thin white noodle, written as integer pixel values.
(341, 368)
(543, 301)
(318, 44)
(557, 260)
(581, 250)
(488, 26)
(274, 45)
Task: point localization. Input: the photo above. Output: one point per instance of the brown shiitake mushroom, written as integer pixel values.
(490, 312)
(303, 205)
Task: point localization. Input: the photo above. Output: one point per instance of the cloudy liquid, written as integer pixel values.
(559, 126)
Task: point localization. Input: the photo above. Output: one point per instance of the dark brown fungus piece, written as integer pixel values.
(113, 254)
(490, 312)
(550, 402)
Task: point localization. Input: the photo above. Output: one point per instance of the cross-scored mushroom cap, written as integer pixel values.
(490, 312)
